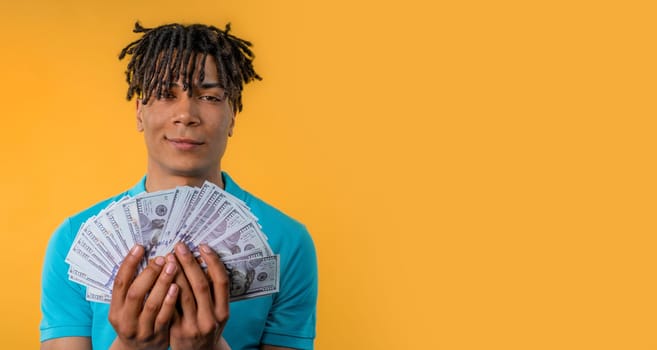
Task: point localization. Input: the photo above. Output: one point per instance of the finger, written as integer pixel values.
(125, 275)
(168, 309)
(157, 296)
(187, 303)
(122, 282)
(220, 283)
(134, 298)
(197, 280)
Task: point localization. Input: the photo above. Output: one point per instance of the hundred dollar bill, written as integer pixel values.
(80, 276)
(181, 200)
(253, 277)
(108, 220)
(84, 250)
(229, 219)
(98, 295)
(87, 260)
(233, 199)
(249, 254)
(203, 213)
(157, 221)
(189, 209)
(119, 224)
(100, 245)
(117, 242)
(129, 208)
(216, 211)
(131, 215)
(247, 237)
(153, 211)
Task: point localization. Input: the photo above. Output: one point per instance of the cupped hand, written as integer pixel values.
(203, 301)
(143, 306)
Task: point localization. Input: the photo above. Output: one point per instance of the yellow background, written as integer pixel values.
(475, 174)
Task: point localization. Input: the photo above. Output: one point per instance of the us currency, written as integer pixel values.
(109, 221)
(195, 206)
(80, 275)
(245, 238)
(101, 245)
(119, 223)
(98, 295)
(82, 257)
(157, 221)
(153, 211)
(182, 198)
(84, 252)
(217, 212)
(198, 196)
(200, 216)
(132, 218)
(129, 209)
(116, 241)
(253, 277)
(215, 218)
(228, 219)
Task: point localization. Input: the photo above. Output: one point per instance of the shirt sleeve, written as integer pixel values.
(64, 310)
(292, 317)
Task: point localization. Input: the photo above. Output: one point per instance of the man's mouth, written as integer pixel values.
(184, 143)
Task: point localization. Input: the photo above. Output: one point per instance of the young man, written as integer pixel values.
(188, 80)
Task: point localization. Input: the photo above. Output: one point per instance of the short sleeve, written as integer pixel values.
(64, 309)
(292, 317)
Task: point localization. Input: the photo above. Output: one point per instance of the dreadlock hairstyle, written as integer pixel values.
(169, 52)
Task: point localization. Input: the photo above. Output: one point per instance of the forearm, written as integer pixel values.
(67, 343)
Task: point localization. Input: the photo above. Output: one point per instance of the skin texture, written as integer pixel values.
(186, 137)
(143, 324)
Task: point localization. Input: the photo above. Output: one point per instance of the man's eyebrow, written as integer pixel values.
(211, 85)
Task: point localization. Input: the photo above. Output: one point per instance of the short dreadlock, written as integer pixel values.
(171, 51)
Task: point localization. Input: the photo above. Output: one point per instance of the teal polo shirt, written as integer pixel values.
(284, 319)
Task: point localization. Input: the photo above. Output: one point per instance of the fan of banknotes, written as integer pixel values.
(157, 221)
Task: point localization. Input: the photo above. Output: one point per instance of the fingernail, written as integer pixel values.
(170, 268)
(173, 289)
(171, 258)
(135, 250)
(159, 261)
(182, 249)
(205, 248)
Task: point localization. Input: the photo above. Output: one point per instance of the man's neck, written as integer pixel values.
(156, 182)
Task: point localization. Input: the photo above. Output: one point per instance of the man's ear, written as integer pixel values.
(140, 122)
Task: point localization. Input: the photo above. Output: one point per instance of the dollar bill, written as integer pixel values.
(253, 277)
(182, 198)
(157, 221)
(247, 237)
(153, 211)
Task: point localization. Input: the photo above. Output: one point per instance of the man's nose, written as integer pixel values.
(186, 111)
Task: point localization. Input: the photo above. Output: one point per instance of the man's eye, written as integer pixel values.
(167, 95)
(211, 98)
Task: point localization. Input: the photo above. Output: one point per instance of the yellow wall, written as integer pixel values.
(475, 174)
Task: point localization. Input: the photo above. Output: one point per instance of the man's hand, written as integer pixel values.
(142, 307)
(203, 301)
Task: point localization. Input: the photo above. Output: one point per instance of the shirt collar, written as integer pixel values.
(230, 186)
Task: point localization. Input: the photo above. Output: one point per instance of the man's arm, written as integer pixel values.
(67, 343)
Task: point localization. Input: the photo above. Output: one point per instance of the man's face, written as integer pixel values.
(187, 135)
